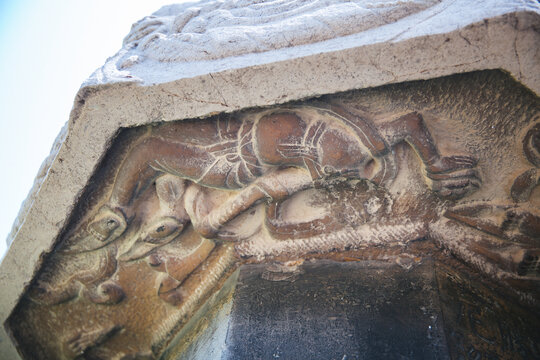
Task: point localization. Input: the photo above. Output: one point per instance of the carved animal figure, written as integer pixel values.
(269, 155)
(508, 233)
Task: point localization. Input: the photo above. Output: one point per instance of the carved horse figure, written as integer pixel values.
(267, 156)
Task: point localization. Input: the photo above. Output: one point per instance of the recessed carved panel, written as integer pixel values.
(176, 207)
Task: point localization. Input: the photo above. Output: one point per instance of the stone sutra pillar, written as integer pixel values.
(287, 144)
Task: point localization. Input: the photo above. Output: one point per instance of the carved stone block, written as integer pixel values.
(429, 179)
(175, 207)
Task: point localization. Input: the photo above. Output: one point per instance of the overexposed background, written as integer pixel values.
(47, 49)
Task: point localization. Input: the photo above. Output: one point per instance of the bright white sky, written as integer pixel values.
(47, 49)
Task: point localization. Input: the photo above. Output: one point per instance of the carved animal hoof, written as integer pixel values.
(204, 228)
(173, 297)
(83, 340)
(168, 284)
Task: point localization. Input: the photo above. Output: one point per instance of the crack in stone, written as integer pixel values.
(217, 89)
(465, 38)
(514, 44)
(421, 22)
(189, 98)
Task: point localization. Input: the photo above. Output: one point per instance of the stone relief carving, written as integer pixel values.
(267, 156)
(185, 202)
(214, 30)
(509, 232)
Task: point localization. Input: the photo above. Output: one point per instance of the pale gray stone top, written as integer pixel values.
(190, 39)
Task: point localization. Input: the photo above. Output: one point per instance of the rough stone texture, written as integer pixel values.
(491, 35)
(372, 171)
(216, 30)
(373, 310)
(188, 40)
(354, 310)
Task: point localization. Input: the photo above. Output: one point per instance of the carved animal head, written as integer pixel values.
(161, 219)
(96, 232)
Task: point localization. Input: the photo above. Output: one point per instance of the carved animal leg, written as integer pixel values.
(488, 249)
(155, 156)
(77, 344)
(274, 186)
(451, 176)
(281, 229)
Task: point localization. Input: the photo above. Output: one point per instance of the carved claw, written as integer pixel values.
(449, 164)
(516, 224)
(531, 145)
(455, 188)
(527, 223)
(458, 173)
(454, 177)
(83, 340)
(530, 264)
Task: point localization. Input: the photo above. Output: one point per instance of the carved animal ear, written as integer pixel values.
(170, 188)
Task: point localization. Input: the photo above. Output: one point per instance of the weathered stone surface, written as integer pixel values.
(480, 321)
(371, 310)
(336, 310)
(459, 154)
(174, 207)
(398, 40)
